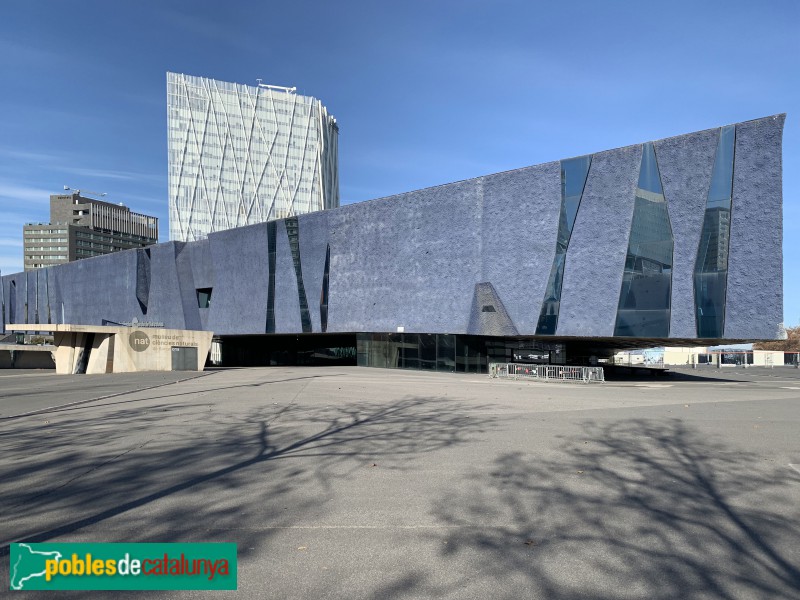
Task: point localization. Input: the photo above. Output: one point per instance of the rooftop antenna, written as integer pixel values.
(77, 191)
(288, 90)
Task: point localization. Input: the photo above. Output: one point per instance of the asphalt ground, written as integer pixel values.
(32, 390)
(371, 483)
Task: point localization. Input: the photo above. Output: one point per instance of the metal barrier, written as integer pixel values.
(547, 372)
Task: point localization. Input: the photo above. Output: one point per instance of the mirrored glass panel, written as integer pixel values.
(574, 173)
(711, 266)
(410, 351)
(323, 299)
(293, 233)
(363, 347)
(445, 352)
(644, 301)
(468, 354)
(394, 350)
(271, 252)
(427, 351)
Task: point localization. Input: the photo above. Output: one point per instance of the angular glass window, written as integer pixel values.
(323, 297)
(203, 297)
(645, 297)
(272, 232)
(711, 266)
(574, 173)
(12, 302)
(293, 232)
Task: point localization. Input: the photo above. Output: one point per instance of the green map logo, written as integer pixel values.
(29, 564)
(84, 566)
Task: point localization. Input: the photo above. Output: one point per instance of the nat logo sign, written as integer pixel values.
(123, 567)
(139, 341)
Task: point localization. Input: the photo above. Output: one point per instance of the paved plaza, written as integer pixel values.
(369, 483)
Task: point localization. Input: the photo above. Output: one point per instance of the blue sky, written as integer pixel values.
(425, 92)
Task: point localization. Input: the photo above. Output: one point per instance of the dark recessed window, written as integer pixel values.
(204, 297)
(488, 308)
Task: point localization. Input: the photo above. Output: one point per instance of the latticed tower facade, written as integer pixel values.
(240, 155)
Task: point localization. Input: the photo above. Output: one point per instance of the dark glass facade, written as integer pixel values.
(711, 267)
(645, 297)
(574, 173)
(450, 353)
(283, 350)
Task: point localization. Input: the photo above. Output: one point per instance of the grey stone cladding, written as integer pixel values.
(430, 260)
(755, 264)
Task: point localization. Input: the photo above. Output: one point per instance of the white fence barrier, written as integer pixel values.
(547, 372)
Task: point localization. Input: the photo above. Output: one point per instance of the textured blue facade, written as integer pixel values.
(596, 256)
(431, 261)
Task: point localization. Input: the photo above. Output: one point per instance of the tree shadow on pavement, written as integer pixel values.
(108, 399)
(632, 509)
(191, 472)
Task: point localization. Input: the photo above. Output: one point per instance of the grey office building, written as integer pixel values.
(83, 227)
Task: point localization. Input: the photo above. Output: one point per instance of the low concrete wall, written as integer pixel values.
(16, 356)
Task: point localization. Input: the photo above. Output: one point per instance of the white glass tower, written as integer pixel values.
(240, 155)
